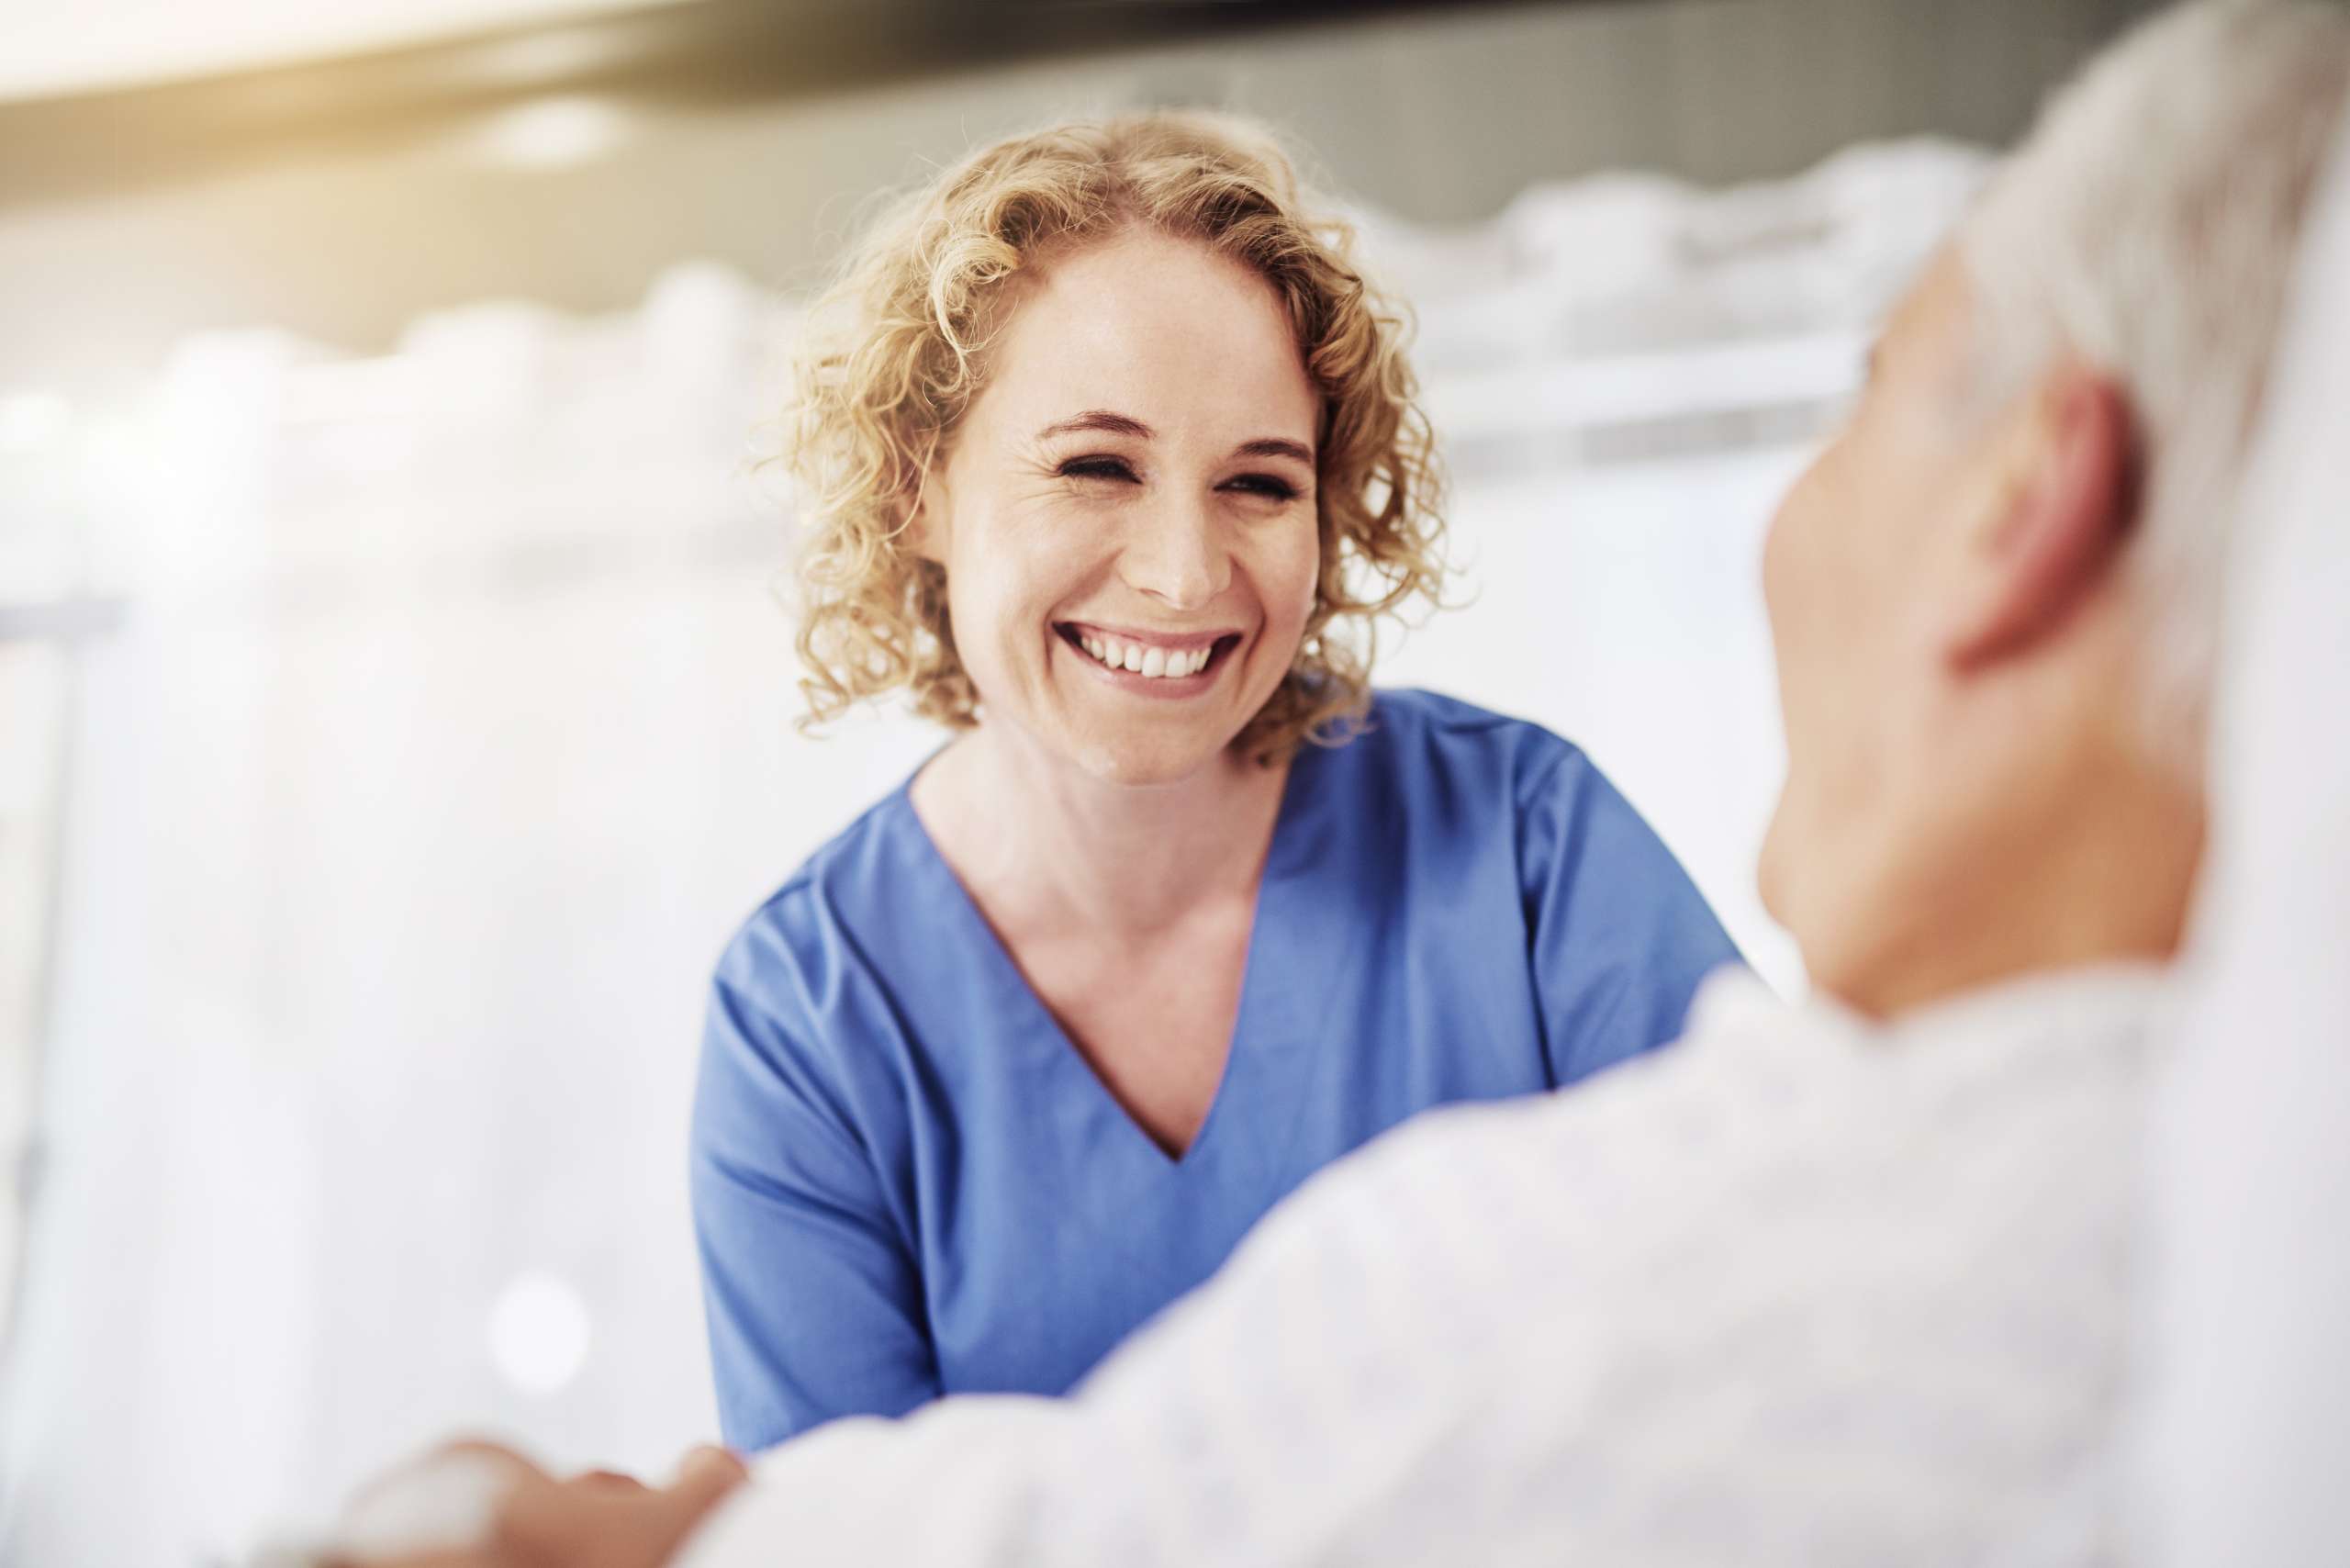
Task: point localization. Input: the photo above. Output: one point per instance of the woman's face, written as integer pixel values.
(1126, 514)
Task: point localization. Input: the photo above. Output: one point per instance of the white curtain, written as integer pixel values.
(447, 737)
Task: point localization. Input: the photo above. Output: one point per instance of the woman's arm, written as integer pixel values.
(1618, 934)
(813, 1296)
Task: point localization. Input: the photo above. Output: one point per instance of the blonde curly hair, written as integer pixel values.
(895, 351)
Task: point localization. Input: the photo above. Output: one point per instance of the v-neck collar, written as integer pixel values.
(1265, 1008)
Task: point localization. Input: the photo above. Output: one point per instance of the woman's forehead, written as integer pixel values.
(1151, 318)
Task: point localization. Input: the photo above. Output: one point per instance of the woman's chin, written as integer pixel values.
(1147, 755)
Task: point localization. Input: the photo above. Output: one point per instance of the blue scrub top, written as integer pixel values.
(907, 1182)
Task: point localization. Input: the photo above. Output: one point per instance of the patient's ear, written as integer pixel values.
(2059, 526)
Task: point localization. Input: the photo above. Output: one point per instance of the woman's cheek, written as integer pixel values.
(977, 610)
(1303, 573)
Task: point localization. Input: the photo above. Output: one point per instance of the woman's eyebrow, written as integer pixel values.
(1274, 446)
(1098, 420)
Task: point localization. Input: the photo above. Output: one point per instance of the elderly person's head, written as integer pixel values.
(1105, 412)
(1994, 594)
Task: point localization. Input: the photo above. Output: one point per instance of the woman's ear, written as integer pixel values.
(2063, 515)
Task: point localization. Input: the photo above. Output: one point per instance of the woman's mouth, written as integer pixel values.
(1170, 666)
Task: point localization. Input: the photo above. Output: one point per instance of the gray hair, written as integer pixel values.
(2150, 224)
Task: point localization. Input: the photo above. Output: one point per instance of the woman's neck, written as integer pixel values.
(1040, 842)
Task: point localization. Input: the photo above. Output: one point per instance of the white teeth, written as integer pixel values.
(1151, 663)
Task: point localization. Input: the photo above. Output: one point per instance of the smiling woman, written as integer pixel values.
(902, 347)
(1110, 458)
(1190, 534)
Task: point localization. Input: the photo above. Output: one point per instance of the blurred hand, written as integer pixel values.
(599, 1519)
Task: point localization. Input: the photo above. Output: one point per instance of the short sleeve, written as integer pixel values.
(1618, 936)
(813, 1298)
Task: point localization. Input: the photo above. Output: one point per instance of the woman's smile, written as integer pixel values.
(1148, 664)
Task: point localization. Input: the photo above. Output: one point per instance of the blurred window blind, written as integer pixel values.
(45, 608)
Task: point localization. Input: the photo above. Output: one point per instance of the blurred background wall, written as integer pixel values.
(570, 160)
(395, 707)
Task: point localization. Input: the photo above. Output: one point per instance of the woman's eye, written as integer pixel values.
(1096, 468)
(1272, 487)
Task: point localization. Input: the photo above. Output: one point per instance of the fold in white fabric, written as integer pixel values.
(2244, 1453)
(1796, 1290)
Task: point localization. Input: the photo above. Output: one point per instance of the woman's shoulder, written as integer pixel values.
(802, 999)
(809, 924)
(1410, 732)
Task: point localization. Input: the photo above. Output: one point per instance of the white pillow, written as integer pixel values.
(2243, 1439)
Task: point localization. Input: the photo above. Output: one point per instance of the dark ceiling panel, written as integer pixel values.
(708, 52)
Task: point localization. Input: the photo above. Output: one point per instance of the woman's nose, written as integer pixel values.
(1177, 555)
